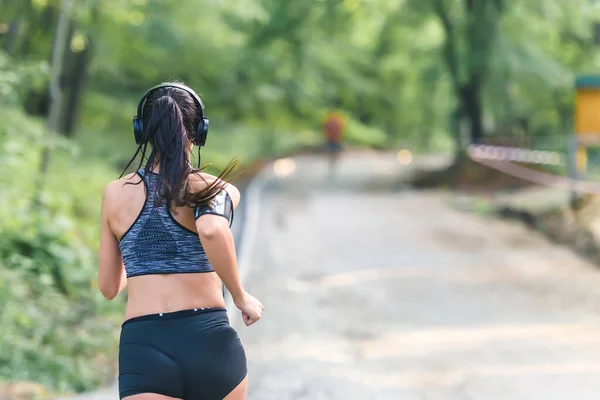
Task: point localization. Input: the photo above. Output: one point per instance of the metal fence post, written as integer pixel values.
(573, 172)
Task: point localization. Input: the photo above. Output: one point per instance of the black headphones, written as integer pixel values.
(198, 137)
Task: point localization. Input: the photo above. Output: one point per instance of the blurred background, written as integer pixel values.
(409, 78)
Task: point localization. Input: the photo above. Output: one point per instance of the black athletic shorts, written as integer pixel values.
(191, 355)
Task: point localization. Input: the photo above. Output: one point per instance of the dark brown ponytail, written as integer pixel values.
(169, 114)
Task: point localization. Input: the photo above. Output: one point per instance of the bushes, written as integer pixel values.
(47, 337)
(56, 329)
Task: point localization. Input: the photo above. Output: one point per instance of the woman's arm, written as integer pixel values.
(217, 241)
(111, 272)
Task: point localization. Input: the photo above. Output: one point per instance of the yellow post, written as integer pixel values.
(587, 115)
(581, 157)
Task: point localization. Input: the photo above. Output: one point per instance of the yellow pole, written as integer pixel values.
(581, 159)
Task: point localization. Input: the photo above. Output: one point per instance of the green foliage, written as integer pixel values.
(15, 78)
(56, 328)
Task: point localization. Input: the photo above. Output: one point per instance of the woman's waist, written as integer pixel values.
(186, 263)
(155, 294)
(180, 314)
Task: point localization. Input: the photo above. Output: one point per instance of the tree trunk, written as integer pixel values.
(60, 44)
(37, 103)
(472, 106)
(455, 128)
(12, 35)
(75, 77)
(427, 126)
(482, 22)
(74, 88)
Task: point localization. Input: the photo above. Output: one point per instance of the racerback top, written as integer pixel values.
(156, 243)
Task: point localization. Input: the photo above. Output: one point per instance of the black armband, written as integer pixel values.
(221, 205)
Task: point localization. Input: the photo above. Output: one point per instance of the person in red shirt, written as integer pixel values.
(333, 129)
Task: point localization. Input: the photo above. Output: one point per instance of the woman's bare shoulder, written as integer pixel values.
(114, 188)
(202, 180)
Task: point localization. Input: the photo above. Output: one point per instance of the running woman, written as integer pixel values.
(165, 234)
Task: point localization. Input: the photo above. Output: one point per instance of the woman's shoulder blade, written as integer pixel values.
(115, 187)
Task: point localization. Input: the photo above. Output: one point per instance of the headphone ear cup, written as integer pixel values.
(202, 132)
(138, 129)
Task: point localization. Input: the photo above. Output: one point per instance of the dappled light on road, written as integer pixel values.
(465, 350)
(284, 167)
(427, 342)
(453, 379)
(481, 274)
(404, 157)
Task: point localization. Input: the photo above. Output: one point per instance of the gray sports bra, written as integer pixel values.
(157, 244)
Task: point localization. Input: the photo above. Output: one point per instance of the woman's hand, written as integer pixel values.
(250, 307)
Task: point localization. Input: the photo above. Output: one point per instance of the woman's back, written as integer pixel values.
(162, 255)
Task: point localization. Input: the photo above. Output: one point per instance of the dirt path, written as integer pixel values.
(391, 294)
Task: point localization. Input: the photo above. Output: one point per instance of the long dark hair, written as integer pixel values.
(169, 115)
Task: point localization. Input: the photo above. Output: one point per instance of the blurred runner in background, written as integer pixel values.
(333, 129)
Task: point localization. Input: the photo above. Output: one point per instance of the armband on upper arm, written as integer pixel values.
(221, 205)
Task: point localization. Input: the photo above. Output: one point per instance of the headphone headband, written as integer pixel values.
(192, 93)
(198, 137)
